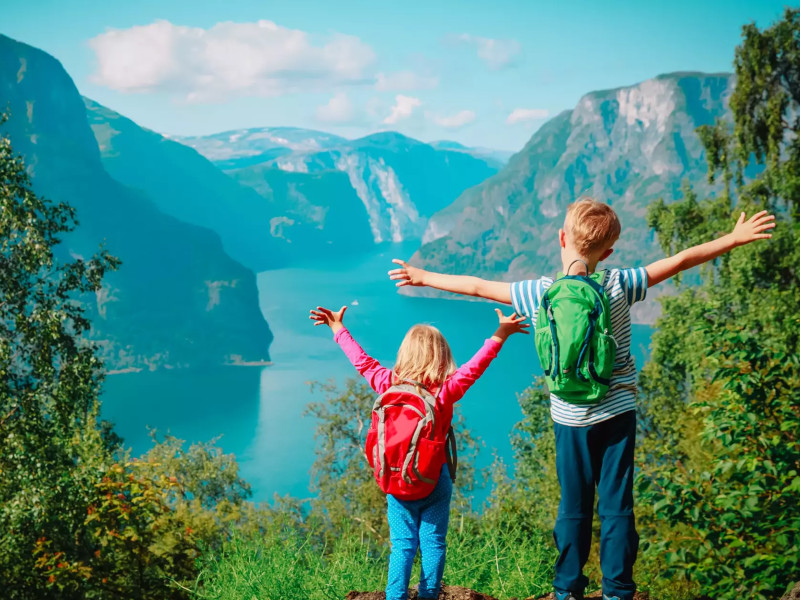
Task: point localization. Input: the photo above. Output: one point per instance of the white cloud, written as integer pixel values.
(228, 59)
(455, 121)
(402, 109)
(404, 81)
(338, 109)
(497, 54)
(520, 115)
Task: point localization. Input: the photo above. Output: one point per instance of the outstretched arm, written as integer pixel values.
(743, 233)
(379, 377)
(465, 285)
(459, 382)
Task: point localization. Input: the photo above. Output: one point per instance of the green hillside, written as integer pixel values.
(185, 185)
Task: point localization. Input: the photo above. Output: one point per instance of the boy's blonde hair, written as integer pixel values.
(592, 225)
(425, 356)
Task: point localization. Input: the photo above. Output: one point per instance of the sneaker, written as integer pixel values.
(568, 596)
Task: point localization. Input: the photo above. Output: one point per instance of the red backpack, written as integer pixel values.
(406, 444)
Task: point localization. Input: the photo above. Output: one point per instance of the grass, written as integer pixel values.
(289, 565)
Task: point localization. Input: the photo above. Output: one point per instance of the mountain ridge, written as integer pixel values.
(628, 146)
(184, 184)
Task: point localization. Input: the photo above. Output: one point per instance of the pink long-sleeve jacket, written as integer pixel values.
(455, 386)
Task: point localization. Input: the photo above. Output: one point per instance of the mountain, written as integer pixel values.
(185, 185)
(314, 212)
(499, 156)
(177, 299)
(627, 146)
(400, 181)
(245, 147)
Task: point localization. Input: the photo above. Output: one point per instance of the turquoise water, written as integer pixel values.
(258, 410)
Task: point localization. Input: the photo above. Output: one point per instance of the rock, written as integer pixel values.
(593, 595)
(794, 593)
(449, 592)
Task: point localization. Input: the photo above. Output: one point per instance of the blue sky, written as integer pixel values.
(484, 74)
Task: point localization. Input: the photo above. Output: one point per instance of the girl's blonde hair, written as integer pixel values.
(425, 356)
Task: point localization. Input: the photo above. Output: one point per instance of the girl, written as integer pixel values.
(424, 356)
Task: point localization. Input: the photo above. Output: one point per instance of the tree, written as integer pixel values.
(720, 454)
(147, 522)
(79, 517)
(51, 446)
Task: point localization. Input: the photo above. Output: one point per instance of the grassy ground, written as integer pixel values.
(287, 565)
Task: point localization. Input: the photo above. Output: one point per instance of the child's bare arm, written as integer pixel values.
(498, 291)
(743, 233)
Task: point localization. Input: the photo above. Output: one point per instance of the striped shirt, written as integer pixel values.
(623, 288)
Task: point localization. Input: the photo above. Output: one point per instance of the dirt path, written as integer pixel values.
(452, 592)
(449, 592)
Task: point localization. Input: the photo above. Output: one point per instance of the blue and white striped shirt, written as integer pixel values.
(623, 288)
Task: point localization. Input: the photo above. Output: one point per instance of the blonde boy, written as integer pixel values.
(594, 442)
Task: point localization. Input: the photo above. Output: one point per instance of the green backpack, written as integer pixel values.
(573, 338)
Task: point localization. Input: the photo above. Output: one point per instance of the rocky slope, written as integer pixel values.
(178, 299)
(627, 146)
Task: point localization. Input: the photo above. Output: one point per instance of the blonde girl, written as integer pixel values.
(425, 357)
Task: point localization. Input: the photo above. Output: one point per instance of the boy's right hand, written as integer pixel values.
(509, 325)
(325, 316)
(406, 275)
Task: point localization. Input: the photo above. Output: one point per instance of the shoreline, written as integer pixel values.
(129, 370)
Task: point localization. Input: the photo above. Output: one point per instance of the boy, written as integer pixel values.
(594, 442)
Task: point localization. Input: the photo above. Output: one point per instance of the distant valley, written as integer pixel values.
(392, 183)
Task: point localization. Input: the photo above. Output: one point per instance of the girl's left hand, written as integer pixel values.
(509, 325)
(324, 316)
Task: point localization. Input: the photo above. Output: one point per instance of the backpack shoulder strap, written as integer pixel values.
(578, 260)
(451, 453)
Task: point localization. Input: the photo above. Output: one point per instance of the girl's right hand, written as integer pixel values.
(509, 325)
(324, 316)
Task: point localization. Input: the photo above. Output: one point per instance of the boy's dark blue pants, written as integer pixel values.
(597, 455)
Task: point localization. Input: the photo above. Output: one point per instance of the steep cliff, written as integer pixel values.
(178, 299)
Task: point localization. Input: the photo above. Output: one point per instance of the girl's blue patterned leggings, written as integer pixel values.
(419, 524)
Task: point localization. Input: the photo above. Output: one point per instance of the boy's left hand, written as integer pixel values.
(753, 228)
(325, 316)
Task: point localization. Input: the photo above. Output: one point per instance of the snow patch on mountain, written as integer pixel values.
(292, 164)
